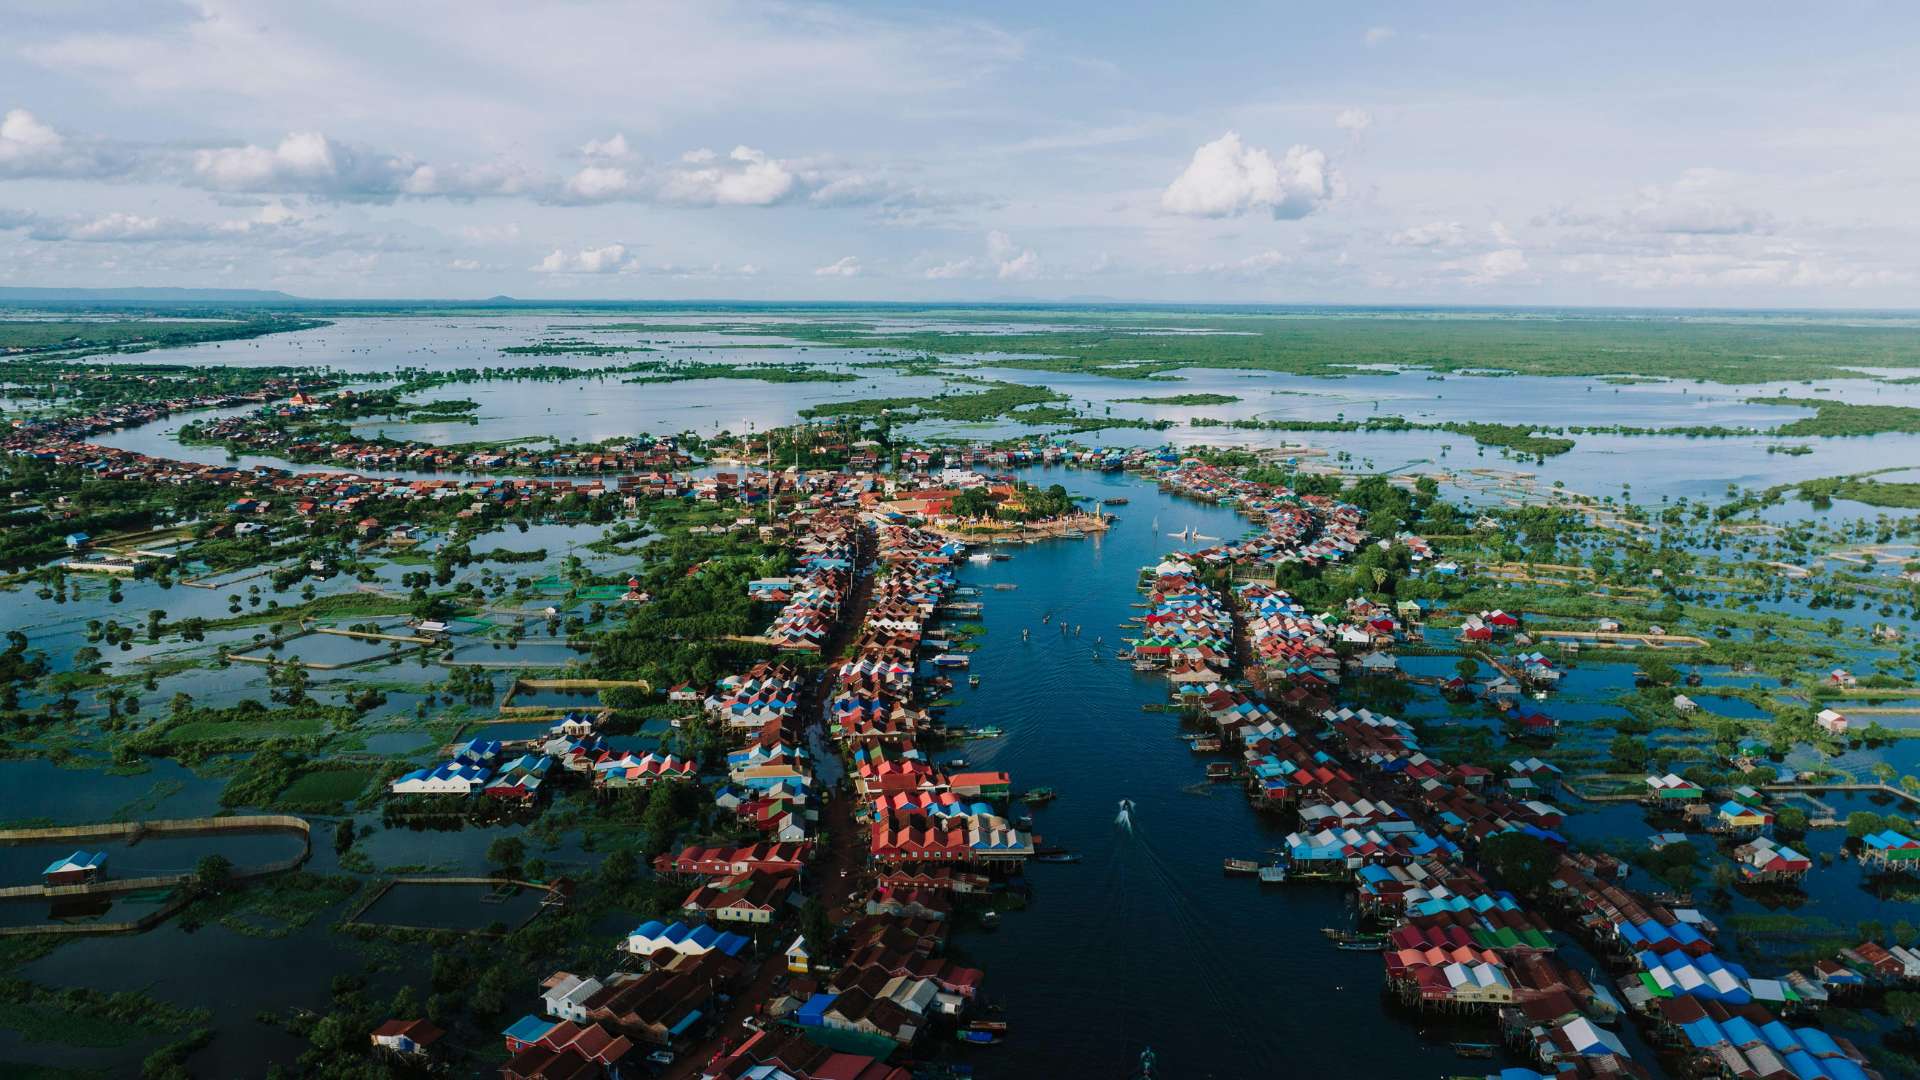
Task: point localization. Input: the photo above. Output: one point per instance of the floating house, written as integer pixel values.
(79, 868)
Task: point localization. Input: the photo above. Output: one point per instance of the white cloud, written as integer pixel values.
(1432, 234)
(1227, 178)
(30, 148)
(744, 177)
(597, 183)
(1356, 121)
(1004, 260)
(465, 265)
(848, 266)
(1376, 35)
(609, 259)
(747, 177)
(308, 162)
(614, 146)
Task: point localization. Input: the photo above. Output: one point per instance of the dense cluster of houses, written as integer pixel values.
(490, 768)
(811, 599)
(1404, 828)
(44, 430)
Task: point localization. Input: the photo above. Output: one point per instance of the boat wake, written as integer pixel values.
(1125, 818)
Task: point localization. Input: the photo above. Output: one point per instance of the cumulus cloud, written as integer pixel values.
(614, 146)
(1356, 121)
(746, 177)
(1376, 35)
(609, 259)
(310, 163)
(1004, 260)
(845, 267)
(743, 177)
(1227, 178)
(30, 148)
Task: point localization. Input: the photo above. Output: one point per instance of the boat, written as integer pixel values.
(956, 763)
(1473, 1049)
(998, 1026)
(1117, 500)
(1206, 744)
(1273, 874)
(988, 732)
(1062, 857)
(1001, 556)
(1219, 771)
(978, 1038)
(952, 660)
(1039, 795)
(1361, 946)
(1005, 586)
(973, 680)
(980, 557)
(1240, 867)
(1144, 665)
(989, 919)
(1356, 938)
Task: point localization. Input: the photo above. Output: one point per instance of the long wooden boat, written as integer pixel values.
(1240, 867)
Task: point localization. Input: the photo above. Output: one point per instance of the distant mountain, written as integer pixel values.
(144, 296)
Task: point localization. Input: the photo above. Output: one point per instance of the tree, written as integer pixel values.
(1627, 754)
(1520, 862)
(213, 871)
(507, 853)
(343, 836)
(817, 928)
(1468, 668)
(619, 869)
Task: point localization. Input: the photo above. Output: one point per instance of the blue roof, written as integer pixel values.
(79, 860)
(529, 1028)
(686, 1022)
(814, 1011)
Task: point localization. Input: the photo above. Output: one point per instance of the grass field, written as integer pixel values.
(326, 786)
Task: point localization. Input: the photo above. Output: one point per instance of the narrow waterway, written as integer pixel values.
(1145, 942)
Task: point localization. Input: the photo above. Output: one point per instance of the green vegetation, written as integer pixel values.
(1895, 496)
(70, 338)
(1122, 344)
(1840, 418)
(1519, 438)
(89, 1018)
(1180, 399)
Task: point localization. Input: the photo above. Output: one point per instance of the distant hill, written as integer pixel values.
(144, 296)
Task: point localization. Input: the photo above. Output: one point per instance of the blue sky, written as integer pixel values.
(1760, 155)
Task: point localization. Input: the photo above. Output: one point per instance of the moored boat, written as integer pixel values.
(1273, 874)
(1039, 795)
(1240, 867)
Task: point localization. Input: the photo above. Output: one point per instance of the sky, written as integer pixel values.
(1662, 155)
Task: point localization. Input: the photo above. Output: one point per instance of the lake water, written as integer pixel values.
(1144, 942)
